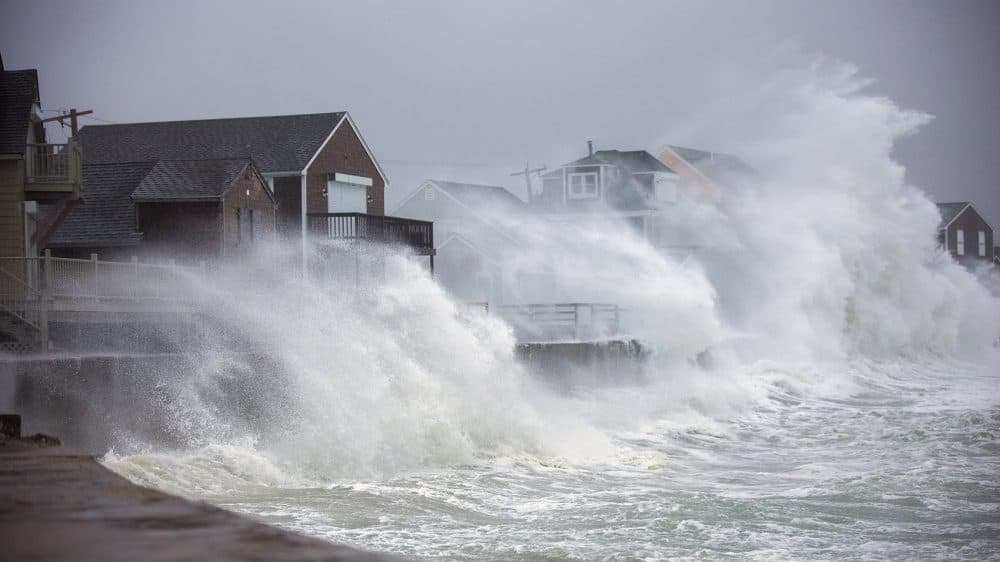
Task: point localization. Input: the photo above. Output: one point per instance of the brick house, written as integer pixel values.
(318, 170)
(965, 233)
(188, 210)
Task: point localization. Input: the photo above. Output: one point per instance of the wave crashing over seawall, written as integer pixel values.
(853, 381)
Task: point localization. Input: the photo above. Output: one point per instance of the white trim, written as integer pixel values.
(368, 150)
(597, 186)
(966, 208)
(322, 145)
(371, 156)
(353, 180)
(958, 214)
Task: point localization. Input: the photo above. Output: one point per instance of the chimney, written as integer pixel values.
(590, 147)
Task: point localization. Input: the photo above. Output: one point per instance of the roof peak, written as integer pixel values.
(217, 119)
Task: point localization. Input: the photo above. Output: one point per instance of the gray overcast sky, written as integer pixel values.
(472, 90)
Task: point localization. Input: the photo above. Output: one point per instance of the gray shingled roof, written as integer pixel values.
(106, 216)
(949, 211)
(18, 91)
(281, 143)
(635, 161)
(477, 196)
(186, 180)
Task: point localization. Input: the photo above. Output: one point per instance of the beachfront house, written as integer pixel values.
(965, 234)
(186, 210)
(629, 185)
(318, 174)
(472, 232)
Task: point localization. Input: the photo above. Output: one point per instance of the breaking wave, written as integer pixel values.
(825, 260)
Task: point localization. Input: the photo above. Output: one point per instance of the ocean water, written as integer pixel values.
(849, 409)
(899, 460)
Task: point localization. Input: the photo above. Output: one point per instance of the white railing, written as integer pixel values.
(20, 300)
(93, 279)
(53, 162)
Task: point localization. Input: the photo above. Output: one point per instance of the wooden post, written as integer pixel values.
(135, 284)
(97, 288)
(46, 300)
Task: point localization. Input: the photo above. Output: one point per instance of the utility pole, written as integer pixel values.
(528, 170)
(72, 116)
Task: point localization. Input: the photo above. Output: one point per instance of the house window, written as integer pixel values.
(982, 243)
(582, 186)
(960, 242)
(429, 194)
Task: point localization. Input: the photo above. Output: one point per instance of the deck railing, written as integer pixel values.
(416, 234)
(53, 163)
(75, 279)
(20, 300)
(563, 321)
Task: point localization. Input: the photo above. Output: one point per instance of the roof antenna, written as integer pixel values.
(590, 147)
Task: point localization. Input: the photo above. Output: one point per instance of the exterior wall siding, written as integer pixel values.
(971, 223)
(288, 203)
(236, 198)
(344, 153)
(187, 232)
(11, 207)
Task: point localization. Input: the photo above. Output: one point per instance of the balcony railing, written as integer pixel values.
(416, 234)
(52, 167)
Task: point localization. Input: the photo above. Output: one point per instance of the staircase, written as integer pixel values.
(22, 322)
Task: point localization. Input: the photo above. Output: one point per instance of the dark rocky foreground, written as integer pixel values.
(59, 505)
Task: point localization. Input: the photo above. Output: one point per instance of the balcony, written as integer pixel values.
(52, 170)
(418, 235)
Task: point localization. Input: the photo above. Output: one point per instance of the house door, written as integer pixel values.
(346, 198)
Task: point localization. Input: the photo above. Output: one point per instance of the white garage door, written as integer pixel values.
(346, 198)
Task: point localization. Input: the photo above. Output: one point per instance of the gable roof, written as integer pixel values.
(280, 143)
(950, 211)
(476, 196)
(186, 180)
(634, 161)
(106, 214)
(18, 93)
(716, 166)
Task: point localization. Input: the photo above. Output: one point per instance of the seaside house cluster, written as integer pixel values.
(205, 192)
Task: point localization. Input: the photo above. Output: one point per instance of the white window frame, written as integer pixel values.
(982, 243)
(583, 195)
(960, 242)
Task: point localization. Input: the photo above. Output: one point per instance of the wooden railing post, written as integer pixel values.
(45, 300)
(97, 287)
(135, 284)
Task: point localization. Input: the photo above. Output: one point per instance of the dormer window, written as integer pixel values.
(582, 186)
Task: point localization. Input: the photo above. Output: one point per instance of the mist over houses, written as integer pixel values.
(144, 199)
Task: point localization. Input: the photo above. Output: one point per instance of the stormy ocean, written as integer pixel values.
(823, 382)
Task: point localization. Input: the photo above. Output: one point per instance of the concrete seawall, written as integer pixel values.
(59, 505)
